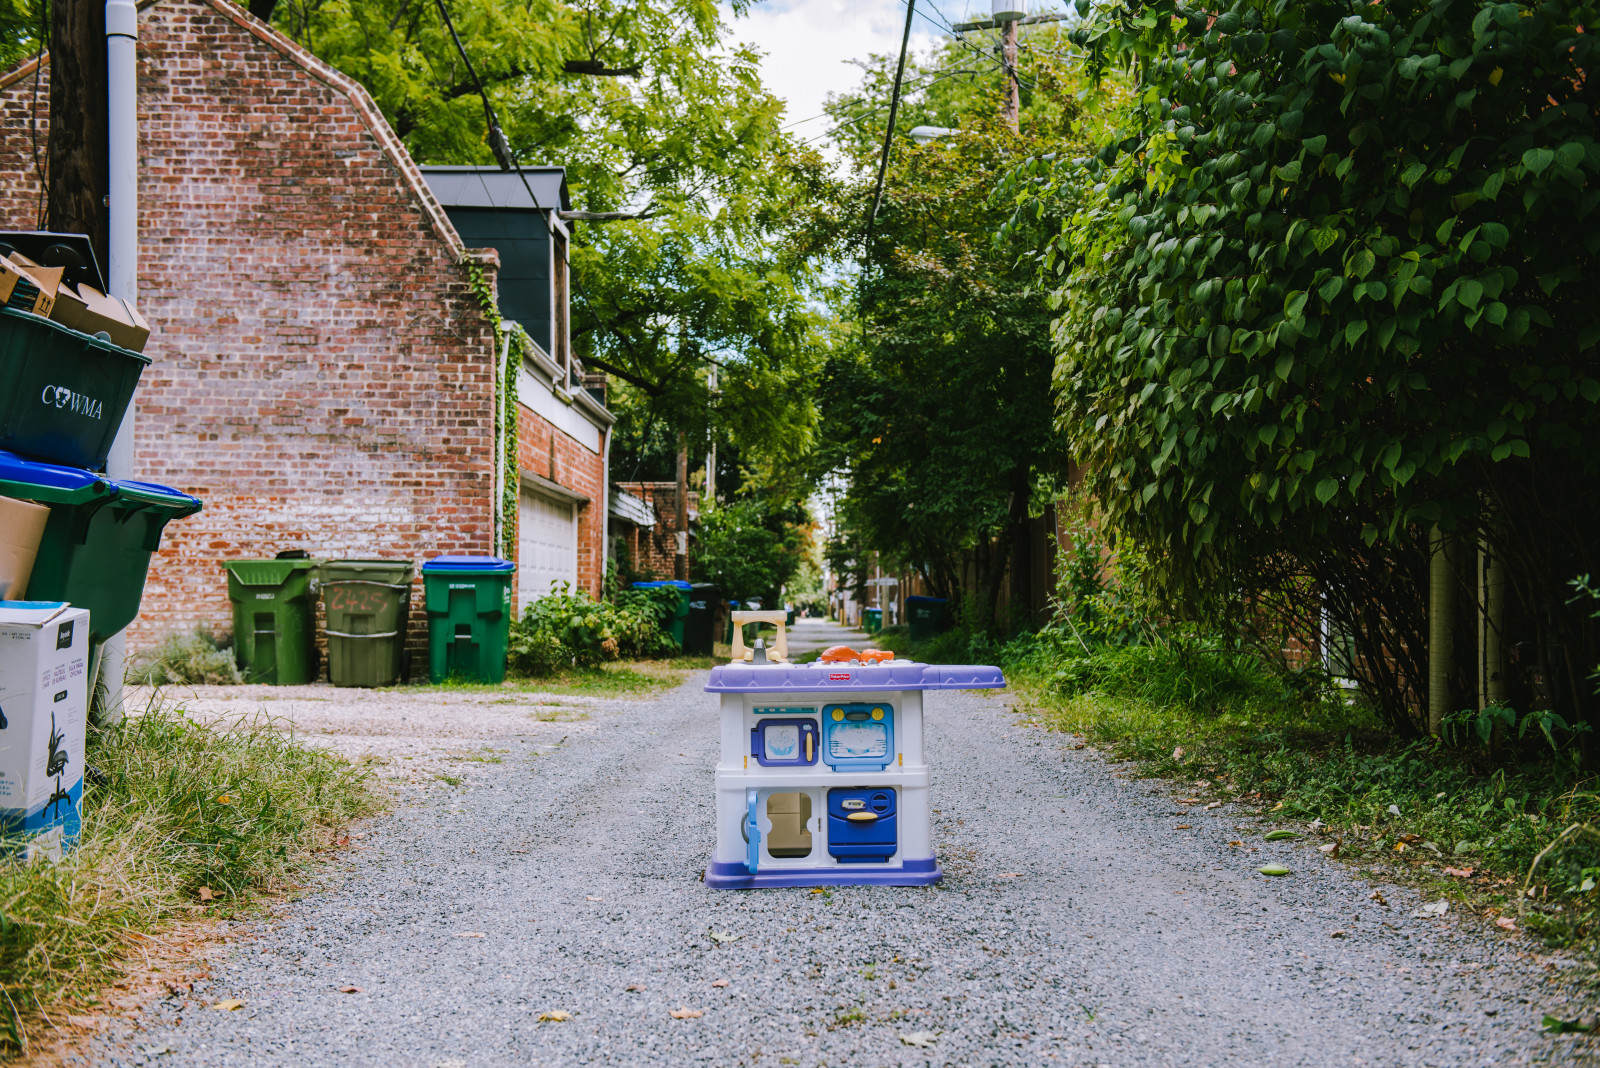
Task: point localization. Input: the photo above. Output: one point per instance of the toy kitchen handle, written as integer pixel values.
(752, 827)
(777, 617)
(862, 817)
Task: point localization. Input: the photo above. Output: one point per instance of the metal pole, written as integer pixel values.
(122, 255)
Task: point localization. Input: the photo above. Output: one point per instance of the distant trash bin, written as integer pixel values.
(367, 605)
(928, 617)
(468, 600)
(680, 615)
(97, 543)
(274, 614)
(700, 629)
(733, 606)
(872, 620)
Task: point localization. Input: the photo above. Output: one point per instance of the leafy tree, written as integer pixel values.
(938, 416)
(1328, 288)
(751, 548)
(667, 132)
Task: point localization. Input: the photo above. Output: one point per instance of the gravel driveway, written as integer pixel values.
(1076, 925)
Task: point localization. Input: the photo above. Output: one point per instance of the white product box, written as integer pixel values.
(44, 709)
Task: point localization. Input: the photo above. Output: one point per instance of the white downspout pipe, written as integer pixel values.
(122, 255)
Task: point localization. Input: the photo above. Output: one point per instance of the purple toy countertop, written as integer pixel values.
(782, 678)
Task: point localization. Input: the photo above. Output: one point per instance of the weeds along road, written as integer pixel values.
(1075, 926)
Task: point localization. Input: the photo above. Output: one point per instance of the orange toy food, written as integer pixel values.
(837, 654)
(875, 656)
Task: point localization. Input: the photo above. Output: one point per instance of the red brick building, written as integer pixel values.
(326, 372)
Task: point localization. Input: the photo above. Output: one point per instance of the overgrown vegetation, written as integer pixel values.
(196, 657)
(178, 812)
(573, 630)
(1487, 797)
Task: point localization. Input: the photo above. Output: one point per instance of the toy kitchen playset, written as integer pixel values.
(821, 780)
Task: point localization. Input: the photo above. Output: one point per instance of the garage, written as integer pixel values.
(547, 542)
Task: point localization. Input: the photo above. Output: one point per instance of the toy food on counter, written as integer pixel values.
(843, 654)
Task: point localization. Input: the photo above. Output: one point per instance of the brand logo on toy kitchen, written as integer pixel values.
(77, 403)
(839, 676)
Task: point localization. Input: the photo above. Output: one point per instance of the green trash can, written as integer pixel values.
(98, 540)
(368, 604)
(274, 631)
(468, 600)
(927, 616)
(872, 620)
(680, 616)
(700, 629)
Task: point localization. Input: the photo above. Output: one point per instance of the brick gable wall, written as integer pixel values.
(323, 376)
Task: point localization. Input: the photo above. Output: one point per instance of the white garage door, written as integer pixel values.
(547, 546)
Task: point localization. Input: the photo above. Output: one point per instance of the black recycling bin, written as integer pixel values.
(700, 629)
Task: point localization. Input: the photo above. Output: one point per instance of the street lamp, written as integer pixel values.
(1008, 10)
(923, 134)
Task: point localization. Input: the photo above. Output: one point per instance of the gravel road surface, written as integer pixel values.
(1076, 925)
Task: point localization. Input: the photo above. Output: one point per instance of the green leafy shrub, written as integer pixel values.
(574, 630)
(196, 657)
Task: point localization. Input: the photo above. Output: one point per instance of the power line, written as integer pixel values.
(888, 134)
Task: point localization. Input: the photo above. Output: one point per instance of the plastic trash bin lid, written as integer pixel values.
(480, 564)
(62, 485)
(677, 584)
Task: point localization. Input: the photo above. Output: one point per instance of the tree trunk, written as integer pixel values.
(77, 147)
(1441, 626)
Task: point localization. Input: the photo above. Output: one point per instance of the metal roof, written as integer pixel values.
(491, 187)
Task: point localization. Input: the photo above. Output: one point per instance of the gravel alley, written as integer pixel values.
(1076, 925)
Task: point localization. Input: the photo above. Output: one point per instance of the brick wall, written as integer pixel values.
(655, 553)
(550, 452)
(323, 377)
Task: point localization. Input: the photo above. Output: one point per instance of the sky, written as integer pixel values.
(808, 44)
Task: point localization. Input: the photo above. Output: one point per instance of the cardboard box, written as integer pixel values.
(21, 528)
(90, 311)
(44, 711)
(33, 288)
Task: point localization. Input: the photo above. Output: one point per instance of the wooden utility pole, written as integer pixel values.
(77, 177)
(1008, 52)
(1442, 590)
(680, 566)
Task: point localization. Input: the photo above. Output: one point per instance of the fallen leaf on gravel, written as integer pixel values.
(1236, 843)
(1273, 869)
(470, 934)
(683, 1012)
(1282, 835)
(1276, 807)
(1081, 745)
(1183, 827)
(1437, 908)
(719, 982)
(1332, 848)
(819, 889)
(1556, 1026)
(1177, 754)
(1337, 934)
(555, 1016)
(1506, 923)
(349, 990)
(1375, 896)
(228, 1005)
(920, 1039)
(1215, 804)
(206, 894)
(637, 987)
(723, 936)
(1010, 875)
(1460, 873)
(590, 897)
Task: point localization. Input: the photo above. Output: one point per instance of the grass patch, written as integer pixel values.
(178, 806)
(1298, 749)
(621, 678)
